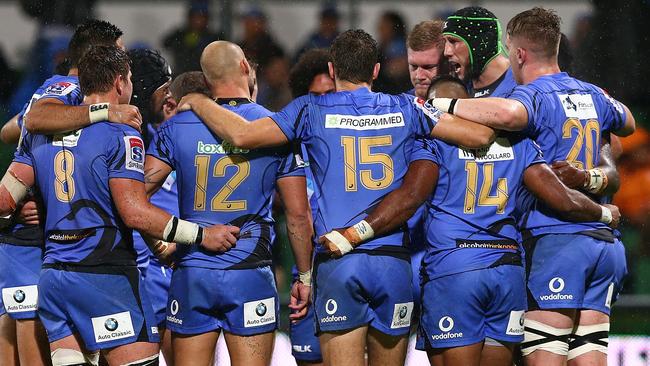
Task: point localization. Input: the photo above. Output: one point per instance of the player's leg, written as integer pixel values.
(69, 350)
(255, 350)
(546, 337)
(8, 348)
(385, 349)
(305, 346)
(198, 349)
(133, 354)
(157, 281)
(495, 353)
(588, 345)
(346, 347)
(166, 346)
(33, 347)
(457, 356)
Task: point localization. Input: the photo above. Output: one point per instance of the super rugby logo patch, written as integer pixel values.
(134, 153)
(60, 88)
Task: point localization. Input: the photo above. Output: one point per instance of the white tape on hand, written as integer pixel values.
(98, 112)
(340, 241)
(305, 278)
(606, 215)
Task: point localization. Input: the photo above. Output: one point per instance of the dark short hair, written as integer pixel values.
(311, 64)
(354, 54)
(445, 79)
(91, 32)
(188, 82)
(539, 26)
(426, 35)
(99, 67)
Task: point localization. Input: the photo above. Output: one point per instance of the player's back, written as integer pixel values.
(221, 184)
(475, 227)
(567, 118)
(72, 173)
(359, 146)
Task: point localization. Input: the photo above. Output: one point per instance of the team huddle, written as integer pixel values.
(471, 210)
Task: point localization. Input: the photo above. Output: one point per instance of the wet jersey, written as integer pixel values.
(471, 220)
(359, 145)
(221, 184)
(566, 117)
(65, 89)
(72, 173)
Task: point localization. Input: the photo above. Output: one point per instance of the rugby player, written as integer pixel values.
(473, 278)
(91, 181)
(359, 144)
(570, 296)
(425, 52)
(21, 247)
(309, 75)
(232, 291)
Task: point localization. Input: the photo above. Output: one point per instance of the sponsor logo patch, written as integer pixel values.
(364, 123)
(112, 327)
(223, 148)
(173, 309)
(556, 285)
(516, 323)
(259, 312)
(429, 110)
(69, 140)
(60, 88)
(446, 325)
(487, 244)
(134, 153)
(500, 150)
(579, 106)
(20, 299)
(331, 307)
(402, 315)
(306, 348)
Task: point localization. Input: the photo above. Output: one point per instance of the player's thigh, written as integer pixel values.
(546, 336)
(194, 350)
(344, 347)
(589, 341)
(255, 350)
(386, 350)
(33, 345)
(305, 346)
(469, 355)
(504, 321)
(132, 352)
(166, 346)
(8, 348)
(497, 354)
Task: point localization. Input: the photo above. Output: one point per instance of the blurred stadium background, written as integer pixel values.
(609, 42)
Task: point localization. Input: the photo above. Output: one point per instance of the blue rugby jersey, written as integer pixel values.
(566, 117)
(72, 172)
(222, 184)
(359, 145)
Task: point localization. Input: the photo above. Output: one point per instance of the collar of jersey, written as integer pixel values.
(233, 102)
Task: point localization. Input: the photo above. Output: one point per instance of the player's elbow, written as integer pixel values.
(31, 122)
(482, 137)
(511, 117)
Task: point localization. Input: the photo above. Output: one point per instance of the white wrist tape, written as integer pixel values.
(447, 105)
(305, 278)
(364, 230)
(17, 189)
(606, 215)
(597, 180)
(340, 241)
(182, 232)
(98, 112)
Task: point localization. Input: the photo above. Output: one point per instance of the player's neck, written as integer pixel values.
(344, 85)
(109, 97)
(73, 71)
(533, 71)
(230, 89)
(492, 72)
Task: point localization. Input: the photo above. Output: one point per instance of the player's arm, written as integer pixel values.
(14, 186)
(50, 116)
(498, 113)
(392, 212)
(602, 180)
(137, 213)
(293, 191)
(155, 174)
(10, 133)
(230, 126)
(570, 204)
(461, 132)
(630, 124)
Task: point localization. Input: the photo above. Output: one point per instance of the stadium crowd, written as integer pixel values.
(434, 181)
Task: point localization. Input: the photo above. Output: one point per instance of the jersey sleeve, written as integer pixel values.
(292, 119)
(161, 146)
(423, 115)
(125, 157)
(528, 98)
(292, 163)
(612, 115)
(425, 149)
(532, 153)
(23, 153)
(67, 92)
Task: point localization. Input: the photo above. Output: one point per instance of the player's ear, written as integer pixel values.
(330, 69)
(245, 67)
(375, 71)
(521, 55)
(119, 84)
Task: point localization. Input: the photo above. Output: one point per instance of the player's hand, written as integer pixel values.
(126, 114)
(571, 176)
(616, 216)
(220, 238)
(330, 247)
(28, 213)
(299, 302)
(164, 251)
(191, 99)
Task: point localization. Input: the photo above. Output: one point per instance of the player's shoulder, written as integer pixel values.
(184, 117)
(253, 111)
(59, 85)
